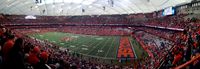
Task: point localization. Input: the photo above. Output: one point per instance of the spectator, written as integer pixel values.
(7, 47)
(2, 36)
(177, 58)
(33, 57)
(43, 60)
(16, 56)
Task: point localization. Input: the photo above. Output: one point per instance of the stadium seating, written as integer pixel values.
(165, 47)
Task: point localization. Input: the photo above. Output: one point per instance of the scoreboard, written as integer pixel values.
(169, 11)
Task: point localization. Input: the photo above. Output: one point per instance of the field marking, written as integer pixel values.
(72, 46)
(103, 46)
(110, 47)
(99, 38)
(71, 42)
(95, 46)
(117, 48)
(130, 40)
(82, 41)
(89, 46)
(91, 40)
(75, 36)
(99, 51)
(92, 47)
(54, 41)
(84, 45)
(84, 48)
(62, 43)
(97, 56)
(77, 44)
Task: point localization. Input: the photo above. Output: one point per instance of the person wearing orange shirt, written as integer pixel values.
(7, 47)
(177, 58)
(33, 56)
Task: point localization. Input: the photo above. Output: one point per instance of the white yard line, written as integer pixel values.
(97, 56)
(103, 46)
(77, 43)
(109, 48)
(95, 46)
(89, 46)
(130, 40)
(86, 44)
(70, 43)
(82, 42)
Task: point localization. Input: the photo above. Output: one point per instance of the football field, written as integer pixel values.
(91, 45)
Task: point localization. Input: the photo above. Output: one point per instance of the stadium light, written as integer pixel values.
(36, 6)
(69, 7)
(90, 6)
(53, 6)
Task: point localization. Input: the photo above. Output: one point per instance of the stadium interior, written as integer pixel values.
(99, 34)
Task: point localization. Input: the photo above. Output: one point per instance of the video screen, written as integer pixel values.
(169, 11)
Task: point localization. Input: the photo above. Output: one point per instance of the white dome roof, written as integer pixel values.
(84, 7)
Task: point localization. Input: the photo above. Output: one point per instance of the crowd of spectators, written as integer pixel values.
(159, 47)
(14, 53)
(186, 50)
(60, 58)
(173, 36)
(182, 46)
(96, 30)
(19, 51)
(177, 21)
(179, 47)
(87, 30)
(154, 45)
(163, 33)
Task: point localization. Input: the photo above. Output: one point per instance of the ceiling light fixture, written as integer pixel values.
(69, 7)
(36, 6)
(90, 6)
(53, 6)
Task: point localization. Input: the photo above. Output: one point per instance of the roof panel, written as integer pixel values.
(91, 7)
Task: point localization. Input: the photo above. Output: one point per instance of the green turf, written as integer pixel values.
(139, 51)
(99, 46)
